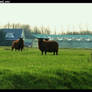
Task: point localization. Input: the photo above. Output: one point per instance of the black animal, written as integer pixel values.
(48, 46)
(18, 44)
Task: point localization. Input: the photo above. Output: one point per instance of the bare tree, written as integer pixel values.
(55, 31)
(8, 25)
(42, 29)
(80, 27)
(47, 30)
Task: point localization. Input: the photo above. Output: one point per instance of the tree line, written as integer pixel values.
(86, 32)
(28, 30)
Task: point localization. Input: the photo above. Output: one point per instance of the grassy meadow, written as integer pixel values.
(71, 69)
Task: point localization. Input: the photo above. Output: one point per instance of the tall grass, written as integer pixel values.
(71, 69)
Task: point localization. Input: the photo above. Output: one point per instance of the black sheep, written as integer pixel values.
(18, 44)
(48, 46)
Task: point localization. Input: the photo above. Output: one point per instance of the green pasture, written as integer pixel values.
(70, 69)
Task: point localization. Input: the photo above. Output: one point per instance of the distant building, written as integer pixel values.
(67, 41)
(11, 35)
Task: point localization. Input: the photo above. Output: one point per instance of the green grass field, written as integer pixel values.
(71, 69)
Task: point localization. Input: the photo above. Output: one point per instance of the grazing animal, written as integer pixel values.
(18, 44)
(48, 46)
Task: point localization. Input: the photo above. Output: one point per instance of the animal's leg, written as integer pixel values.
(12, 48)
(54, 53)
(42, 52)
(45, 52)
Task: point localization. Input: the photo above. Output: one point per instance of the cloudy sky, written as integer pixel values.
(59, 16)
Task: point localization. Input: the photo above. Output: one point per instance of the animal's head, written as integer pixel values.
(40, 39)
(21, 39)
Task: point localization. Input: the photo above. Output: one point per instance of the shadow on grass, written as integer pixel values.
(60, 80)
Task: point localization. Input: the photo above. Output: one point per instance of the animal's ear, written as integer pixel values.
(21, 38)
